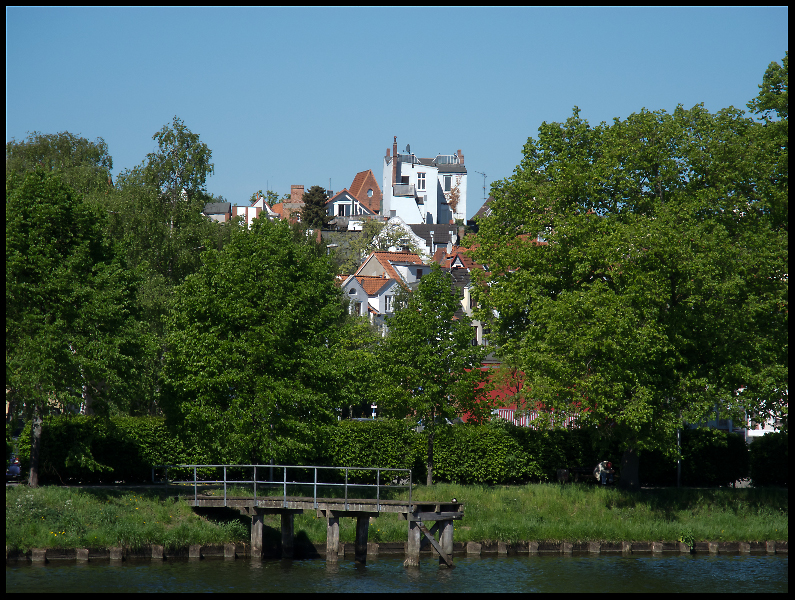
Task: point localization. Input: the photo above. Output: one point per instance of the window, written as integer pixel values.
(419, 273)
(370, 193)
(388, 303)
(357, 309)
(475, 334)
(420, 181)
(448, 180)
(340, 210)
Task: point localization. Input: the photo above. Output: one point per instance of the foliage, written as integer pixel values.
(770, 459)
(83, 449)
(375, 235)
(388, 443)
(657, 288)
(313, 213)
(71, 332)
(250, 373)
(84, 165)
(182, 162)
(431, 369)
(710, 457)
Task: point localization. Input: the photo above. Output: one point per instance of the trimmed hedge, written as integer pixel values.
(76, 448)
(770, 459)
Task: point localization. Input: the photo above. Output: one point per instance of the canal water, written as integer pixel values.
(675, 573)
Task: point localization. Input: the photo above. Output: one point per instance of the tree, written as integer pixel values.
(72, 337)
(375, 235)
(84, 165)
(644, 278)
(432, 370)
(250, 373)
(313, 213)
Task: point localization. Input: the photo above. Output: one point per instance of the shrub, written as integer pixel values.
(770, 459)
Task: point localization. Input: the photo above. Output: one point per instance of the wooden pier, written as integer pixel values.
(417, 513)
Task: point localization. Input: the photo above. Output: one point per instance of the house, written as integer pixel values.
(290, 210)
(373, 287)
(398, 231)
(218, 211)
(348, 211)
(249, 213)
(366, 190)
(424, 190)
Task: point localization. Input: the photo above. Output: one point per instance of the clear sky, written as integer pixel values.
(299, 95)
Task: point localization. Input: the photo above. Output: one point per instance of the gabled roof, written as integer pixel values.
(359, 188)
(373, 286)
(217, 208)
(347, 192)
(457, 257)
(385, 260)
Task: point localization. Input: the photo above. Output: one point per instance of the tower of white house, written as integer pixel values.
(424, 190)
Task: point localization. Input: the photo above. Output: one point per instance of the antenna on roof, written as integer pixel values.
(484, 184)
(408, 149)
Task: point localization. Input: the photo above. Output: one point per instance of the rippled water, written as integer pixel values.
(675, 573)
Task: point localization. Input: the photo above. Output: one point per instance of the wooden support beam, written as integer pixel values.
(288, 519)
(442, 554)
(413, 546)
(332, 538)
(362, 531)
(256, 535)
(446, 541)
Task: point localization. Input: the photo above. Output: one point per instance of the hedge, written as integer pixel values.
(770, 459)
(77, 448)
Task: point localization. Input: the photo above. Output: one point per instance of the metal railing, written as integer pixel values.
(284, 481)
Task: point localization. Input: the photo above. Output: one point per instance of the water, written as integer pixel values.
(675, 573)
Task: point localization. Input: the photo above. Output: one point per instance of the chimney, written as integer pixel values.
(387, 153)
(460, 157)
(394, 162)
(297, 193)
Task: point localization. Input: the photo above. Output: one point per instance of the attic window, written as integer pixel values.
(370, 193)
(352, 291)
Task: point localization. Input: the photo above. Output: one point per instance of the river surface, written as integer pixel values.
(522, 573)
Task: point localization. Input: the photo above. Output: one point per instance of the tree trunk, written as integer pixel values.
(35, 447)
(430, 458)
(629, 470)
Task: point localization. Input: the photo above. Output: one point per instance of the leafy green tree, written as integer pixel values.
(313, 213)
(250, 369)
(375, 235)
(431, 369)
(643, 281)
(84, 165)
(182, 162)
(72, 336)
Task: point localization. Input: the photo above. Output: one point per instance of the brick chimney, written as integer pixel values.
(394, 161)
(297, 193)
(460, 157)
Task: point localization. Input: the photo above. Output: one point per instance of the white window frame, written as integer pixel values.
(421, 181)
(448, 183)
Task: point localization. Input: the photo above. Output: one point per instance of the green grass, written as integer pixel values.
(72, 518)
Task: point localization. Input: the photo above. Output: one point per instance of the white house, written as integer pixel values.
(424, 190)
(249, 213)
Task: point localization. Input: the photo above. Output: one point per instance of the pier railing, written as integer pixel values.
(379, 485)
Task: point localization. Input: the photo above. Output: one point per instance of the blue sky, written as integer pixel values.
(299, 95)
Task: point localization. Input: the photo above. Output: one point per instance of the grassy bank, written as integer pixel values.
(66, 517)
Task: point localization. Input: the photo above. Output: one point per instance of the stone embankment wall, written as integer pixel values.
(243, 550)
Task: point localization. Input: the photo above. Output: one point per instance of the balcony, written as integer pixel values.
(403, 189)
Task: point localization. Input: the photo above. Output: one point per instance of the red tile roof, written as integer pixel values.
(372, 285)
(384, 257)
(363, 181)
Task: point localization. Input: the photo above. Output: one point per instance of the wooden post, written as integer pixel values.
(446, 539)
(362, 529)
(413, 545)
(332, 538)
(287, 534)
(256, 534)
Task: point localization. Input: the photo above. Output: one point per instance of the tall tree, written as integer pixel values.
(432, 370)
(84, 165)
(658, 289)
(250, 369)
(313, 213)
(72, 336)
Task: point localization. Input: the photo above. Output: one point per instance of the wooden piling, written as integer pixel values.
(288, 520)
(413, 546)
(332, 538)
(256, 534)
(446, 539)
(362, 531)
